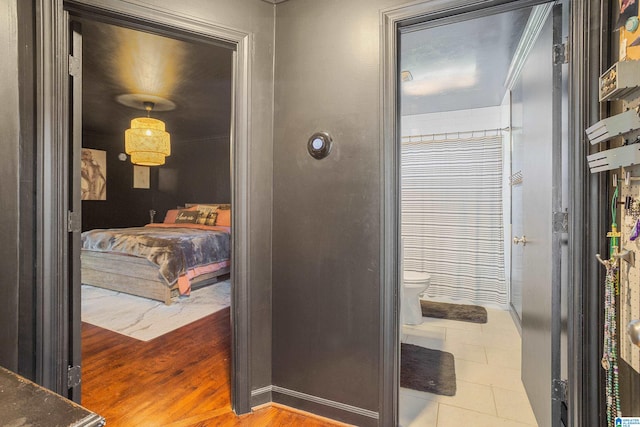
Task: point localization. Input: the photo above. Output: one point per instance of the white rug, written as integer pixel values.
(145, 319)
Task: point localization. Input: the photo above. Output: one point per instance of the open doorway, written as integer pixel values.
(58, 324)
(156, 242)
(479, 136)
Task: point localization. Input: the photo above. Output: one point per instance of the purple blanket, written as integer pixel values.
(173, 250)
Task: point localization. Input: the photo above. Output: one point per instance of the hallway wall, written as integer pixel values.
(326, 218)
(9, 184)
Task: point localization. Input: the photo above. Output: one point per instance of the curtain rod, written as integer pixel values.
(450, 135)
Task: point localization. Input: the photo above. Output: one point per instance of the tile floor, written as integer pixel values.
(487, 359)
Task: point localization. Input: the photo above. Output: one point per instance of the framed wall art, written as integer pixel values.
(141, 176)
(93, 174)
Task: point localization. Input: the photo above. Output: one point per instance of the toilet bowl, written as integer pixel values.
(414, 283)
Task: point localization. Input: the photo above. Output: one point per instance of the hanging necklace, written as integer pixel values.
(610, 344)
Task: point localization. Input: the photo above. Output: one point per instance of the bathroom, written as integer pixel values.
(467, 117)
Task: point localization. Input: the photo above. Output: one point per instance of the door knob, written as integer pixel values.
(517, 240)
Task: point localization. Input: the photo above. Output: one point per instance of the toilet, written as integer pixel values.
(414, 283)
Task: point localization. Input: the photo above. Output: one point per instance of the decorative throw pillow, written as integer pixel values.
(211, 218)
(187, 216)
(204, 212)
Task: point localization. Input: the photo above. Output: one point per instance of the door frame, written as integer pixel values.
(53, 329)
(581, 105)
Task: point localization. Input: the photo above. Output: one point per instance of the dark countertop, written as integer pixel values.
(24, 403)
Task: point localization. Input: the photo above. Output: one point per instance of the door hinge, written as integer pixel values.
(559, 390)
(74, 222)
(74, 66)
(74, 375)
(561, 53)
(560, 222)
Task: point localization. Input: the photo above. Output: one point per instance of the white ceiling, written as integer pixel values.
(461, 65)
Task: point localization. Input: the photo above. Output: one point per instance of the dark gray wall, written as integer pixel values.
(326, 214)
(26, 326)
(9, 184)
(204, 173)
(196, 172)
(124, 206)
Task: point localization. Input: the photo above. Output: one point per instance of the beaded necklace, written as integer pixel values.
(610, 354)
(610, 345)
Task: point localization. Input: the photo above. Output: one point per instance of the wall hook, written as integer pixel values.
(603, 262)
(626, 255)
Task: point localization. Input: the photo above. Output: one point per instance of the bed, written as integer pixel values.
(189, 250)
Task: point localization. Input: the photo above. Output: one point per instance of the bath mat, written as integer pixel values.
(462, 312)
(424, 369)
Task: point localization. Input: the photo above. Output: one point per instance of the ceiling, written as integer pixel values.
(195, 76)
(454, 67)
(459, 66)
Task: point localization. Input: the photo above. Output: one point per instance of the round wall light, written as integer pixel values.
(319, 145)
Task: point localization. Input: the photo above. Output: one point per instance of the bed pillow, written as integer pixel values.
(171, 215)
(224, 216)
(186, 216)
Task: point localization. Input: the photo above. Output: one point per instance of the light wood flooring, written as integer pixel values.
(180, 379)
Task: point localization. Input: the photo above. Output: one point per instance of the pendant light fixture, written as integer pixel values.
(146, 141)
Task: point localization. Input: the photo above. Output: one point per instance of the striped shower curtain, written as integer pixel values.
(452, 216)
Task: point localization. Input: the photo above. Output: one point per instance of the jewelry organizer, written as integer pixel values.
(629, 184)
(621, 83)
(620, 154)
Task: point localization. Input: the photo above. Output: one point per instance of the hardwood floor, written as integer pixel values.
(180, 379)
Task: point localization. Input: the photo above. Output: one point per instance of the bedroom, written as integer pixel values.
(189, 83)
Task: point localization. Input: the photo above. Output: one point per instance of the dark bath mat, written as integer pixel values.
(463, 312)
(424, 369)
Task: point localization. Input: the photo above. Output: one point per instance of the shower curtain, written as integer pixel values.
(452, 216)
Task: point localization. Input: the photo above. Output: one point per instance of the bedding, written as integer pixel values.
(179, 251)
